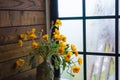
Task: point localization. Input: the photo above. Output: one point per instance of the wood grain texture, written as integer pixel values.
(17, 18)
(28, 75)
(9, 70)
(8, 35)
(11, 34)
(23, 4)
(14, 51)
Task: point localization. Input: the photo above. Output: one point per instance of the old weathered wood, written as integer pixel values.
(11, 34)
(14, 51)
(22, 4)
(28, 75)
(9, 69)
(17, 18)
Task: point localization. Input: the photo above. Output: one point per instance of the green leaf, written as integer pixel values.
(56, 64)
(64, 64)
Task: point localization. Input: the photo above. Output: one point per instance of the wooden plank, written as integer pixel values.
(28, 75)
(14, 51)
(11, 51)
(7, 69)
(17, 18)
(11, 34)
(23, 4)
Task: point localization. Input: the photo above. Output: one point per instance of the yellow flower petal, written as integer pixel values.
(23, 36)
(45, 37)
(67, 57)
(75, 69)
(63, 38)
(61, 50)
(80, 61)
(56, 37)
(34, 44)
(20, 43)
(19, 62)
(73, 47)
(62, 44)
(33, 36)
(69, 53)
(76, 53)
(56, 32)
(58, 23)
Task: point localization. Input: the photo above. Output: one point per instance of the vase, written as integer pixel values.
(45, 71)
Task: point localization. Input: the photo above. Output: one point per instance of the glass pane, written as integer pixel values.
(100, 68)
(100, 35)
(69, 8)
(78, 76)
(100, 7)
(72, 29)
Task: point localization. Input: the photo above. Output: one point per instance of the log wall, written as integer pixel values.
(18, 16)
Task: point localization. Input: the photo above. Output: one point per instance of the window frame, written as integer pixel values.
(54, 15)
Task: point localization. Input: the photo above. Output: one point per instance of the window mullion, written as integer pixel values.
(117, 39)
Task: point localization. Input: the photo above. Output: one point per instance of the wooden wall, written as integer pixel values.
(17, 16)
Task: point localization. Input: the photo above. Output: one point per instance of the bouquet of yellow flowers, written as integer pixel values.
(53, 43)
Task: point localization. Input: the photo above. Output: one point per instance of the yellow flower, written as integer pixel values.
(63, 38)
(73, 47)
(80, 61)
(32, 36)
(34, 44)
(76, 53)
(58, 23)
(20, 43)
(62, 44)
(23, 36)
(19, 62)
(67, 57)
(56, 37)
(61, 50)
(75, 69)
(45, 37)
(56, 32)
(69, 53)
(51, 45)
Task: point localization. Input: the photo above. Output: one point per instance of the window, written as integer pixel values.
(92, 25)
